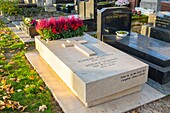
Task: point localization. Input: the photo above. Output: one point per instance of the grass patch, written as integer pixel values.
(21, 89)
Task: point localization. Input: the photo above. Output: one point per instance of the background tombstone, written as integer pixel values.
(21, 1)
(30, 1)
(87, 9)
(151, 4)
(160, 30)
(110, 20)
(49, 6)
(63, 1)
(40, 2)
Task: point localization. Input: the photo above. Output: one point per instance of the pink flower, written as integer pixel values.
(42, 24)
(52, 22)
(33, 22)
(59, 26)
(54, 30)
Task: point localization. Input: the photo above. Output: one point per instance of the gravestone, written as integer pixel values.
(40, 2)
(87, 9)
(93, 70)
(63, 1)
(151, 4)
(154, 52)
(21, 1)
(161, 29)
(81, 9)
(49, 6)
(159, 33)
(110, 20)
(30, 1)
(162, 22)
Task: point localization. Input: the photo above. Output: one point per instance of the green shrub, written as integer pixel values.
(10, 7)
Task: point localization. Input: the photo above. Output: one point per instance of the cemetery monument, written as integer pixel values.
(94, 71)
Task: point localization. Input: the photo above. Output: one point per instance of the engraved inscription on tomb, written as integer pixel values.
(102, 61)
(133, 75)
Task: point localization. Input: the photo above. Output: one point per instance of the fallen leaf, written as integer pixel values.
(3, 81)
(8, 105)
(11, 62)
(5, 97)
(13, 79)
(12, 91)
(22, 108)
(2, 103)
(31, 77)
(18, 80)
(3, 58)
(26, 86)
(4, 87)
(42, 108)
(1, 70)
(19, 90)
(2, 107)
(41, 88)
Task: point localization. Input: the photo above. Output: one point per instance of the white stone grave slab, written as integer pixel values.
(96, 78)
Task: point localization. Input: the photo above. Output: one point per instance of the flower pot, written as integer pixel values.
(30, 31)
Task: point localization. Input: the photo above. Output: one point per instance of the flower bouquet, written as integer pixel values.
(54, 29)
(29, 21)
(28, 26)
(122, 2)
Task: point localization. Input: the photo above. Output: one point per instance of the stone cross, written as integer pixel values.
(78, 45)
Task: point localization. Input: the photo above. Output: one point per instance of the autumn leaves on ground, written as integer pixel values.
(21, 89)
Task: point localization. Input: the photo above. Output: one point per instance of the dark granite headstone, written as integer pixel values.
(152, 51)
(107, 4)
(160, 33)
(62, 1)
(27, 5)
(162, 22)
(110, 20)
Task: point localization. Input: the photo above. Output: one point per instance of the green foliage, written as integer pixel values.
(10, 7)
(15, 72)
(31, 12)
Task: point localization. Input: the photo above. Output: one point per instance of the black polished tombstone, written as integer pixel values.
(162, 22)
(62, 1)
(154, 52)
(160, 33)
(101, 5)
(110, 20)
(161, 29)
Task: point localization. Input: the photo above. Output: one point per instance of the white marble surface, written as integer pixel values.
(96, 77)
(71, 104)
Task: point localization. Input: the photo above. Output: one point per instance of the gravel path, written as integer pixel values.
(159, 106)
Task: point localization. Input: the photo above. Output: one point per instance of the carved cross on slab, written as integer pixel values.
(78, 45)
